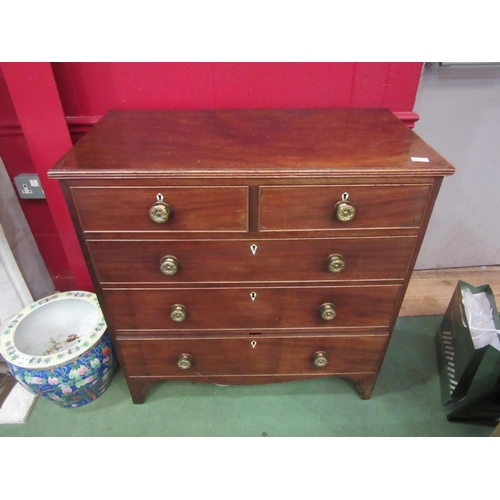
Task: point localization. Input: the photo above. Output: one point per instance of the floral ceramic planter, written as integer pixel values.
(59, 349)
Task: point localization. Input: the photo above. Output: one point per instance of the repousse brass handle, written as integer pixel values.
(320, 359)
(160, 211)
(344, 210)
(327, 311)
(178, 313)
(184, 361)
(335, 263)
(169, 265)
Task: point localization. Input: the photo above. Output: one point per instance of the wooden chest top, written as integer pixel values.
(250, 143)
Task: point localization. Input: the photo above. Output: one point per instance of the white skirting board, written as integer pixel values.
(23, 277)
(17, 406)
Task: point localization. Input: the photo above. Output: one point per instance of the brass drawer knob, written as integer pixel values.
(344, 210)
(160, 211)
(335, 263)
(320, 359)
(178, 313)
(184, 361)
(327, 311)
(169, 265)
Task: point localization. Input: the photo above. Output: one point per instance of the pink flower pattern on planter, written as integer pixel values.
(71, 377)
(75, 384)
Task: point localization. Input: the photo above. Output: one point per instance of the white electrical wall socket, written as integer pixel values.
(29, 186)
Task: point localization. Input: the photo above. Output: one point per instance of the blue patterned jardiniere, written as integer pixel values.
(59, 349)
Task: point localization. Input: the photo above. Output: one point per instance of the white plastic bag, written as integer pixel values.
(480, 319)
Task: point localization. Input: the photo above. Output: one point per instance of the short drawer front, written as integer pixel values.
(246, 356)
(208, 261)
(296, 208)
(217, 309)
(191, 208)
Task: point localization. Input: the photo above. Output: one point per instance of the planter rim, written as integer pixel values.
(23, 360)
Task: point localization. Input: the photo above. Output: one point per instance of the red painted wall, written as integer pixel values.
(18, 159)
(89, 90)
(92, 88)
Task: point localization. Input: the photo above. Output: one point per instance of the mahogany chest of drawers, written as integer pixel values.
(250, 246)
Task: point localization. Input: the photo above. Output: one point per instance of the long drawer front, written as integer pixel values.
(208, 261)
(254, 308)
(234, 356)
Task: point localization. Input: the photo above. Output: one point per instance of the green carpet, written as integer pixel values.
(406, 402)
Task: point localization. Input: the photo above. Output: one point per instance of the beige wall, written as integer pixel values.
(19, 239)
(459, 108)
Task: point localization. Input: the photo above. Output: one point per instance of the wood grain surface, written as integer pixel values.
(237, 356)
(210, 143)
(232, 261)
(237, 178)
(429, 291)
(214, 309)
